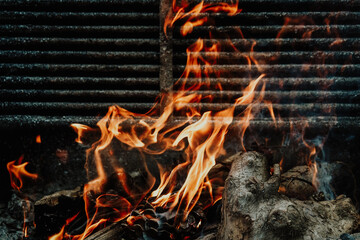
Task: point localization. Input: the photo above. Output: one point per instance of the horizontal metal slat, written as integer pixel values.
(79, 44)
(80, 5)
(67, 108)
(283, 70)
(13, 82)
(76, 31)
(294, 5)
(85, 57)
(282, 44)
(295, 83)
(288, 31)
(150, 95)
(278, 17)
(288, 96)
(314, 123)
(68, 70)
(75, 108)
(332, 57)
(289, 109)
(78, 95)
(78, 18)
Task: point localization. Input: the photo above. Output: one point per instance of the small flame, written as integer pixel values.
(60, 235)
(315, 181)
(80, 129)
(38, 139)
(18, 173)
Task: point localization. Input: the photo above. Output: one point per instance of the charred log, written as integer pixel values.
(52, 210)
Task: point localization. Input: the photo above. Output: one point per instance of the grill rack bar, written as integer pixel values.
(313, 123)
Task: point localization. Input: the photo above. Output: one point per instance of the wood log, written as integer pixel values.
(297, 183)
(254, 209)
(51, 211)
(113, 231)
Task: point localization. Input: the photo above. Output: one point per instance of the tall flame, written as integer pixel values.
(200, 136)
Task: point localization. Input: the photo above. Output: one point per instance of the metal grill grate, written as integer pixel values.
(67, 61)
(309, 51)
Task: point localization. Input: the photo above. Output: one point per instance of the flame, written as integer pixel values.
(80, 129)
(315, 181)
(18, 172)
(26, 210)
(194, 17)
(281, 164)
(200, 135)
(60, 235)
(38, 139)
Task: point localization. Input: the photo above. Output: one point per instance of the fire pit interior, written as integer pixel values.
(160, 119)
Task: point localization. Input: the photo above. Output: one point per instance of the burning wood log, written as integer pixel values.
(51, 211)
(254, 209)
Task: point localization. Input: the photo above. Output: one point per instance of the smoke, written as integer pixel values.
(325, 173)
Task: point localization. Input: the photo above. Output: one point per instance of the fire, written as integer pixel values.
(18, 173)
(193, 16)
(38, 139)
(200, 136)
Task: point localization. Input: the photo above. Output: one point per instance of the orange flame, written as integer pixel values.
(200, 136)
(18, 172)
(38, 139)
(194, 17)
